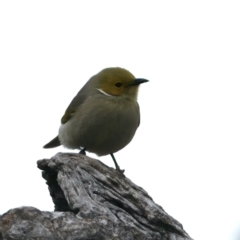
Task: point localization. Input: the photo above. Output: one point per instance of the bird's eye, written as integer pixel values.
(118, 84)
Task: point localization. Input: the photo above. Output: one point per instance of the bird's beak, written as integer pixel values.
(138, 81)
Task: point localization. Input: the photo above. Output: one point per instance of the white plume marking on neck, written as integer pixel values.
(100, 90)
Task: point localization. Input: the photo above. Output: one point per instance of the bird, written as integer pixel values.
(104, 115)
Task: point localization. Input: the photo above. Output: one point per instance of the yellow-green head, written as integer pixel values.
(118, 82)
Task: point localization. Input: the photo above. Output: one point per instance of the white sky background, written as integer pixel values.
(185, 153)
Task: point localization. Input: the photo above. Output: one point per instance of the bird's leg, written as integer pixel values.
(83, 151)
(116, 165)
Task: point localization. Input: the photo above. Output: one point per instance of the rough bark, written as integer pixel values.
(92, 202)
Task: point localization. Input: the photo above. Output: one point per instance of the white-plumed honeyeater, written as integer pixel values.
(104, 116)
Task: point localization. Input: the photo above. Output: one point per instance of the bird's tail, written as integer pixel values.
(53, 143)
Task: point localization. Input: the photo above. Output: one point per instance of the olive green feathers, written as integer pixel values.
(104, 115)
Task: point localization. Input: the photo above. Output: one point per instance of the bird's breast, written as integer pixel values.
(103, 125)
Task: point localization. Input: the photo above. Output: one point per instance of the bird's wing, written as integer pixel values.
(76, 102)
(67, 115)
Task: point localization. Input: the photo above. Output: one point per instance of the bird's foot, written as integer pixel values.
(83, 151)
(116, 165)
(121, 171)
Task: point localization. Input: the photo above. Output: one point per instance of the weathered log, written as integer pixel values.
(92, 201)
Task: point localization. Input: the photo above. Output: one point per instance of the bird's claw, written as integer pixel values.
(83, 151)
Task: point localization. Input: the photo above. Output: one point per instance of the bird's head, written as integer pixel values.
(118, 82)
